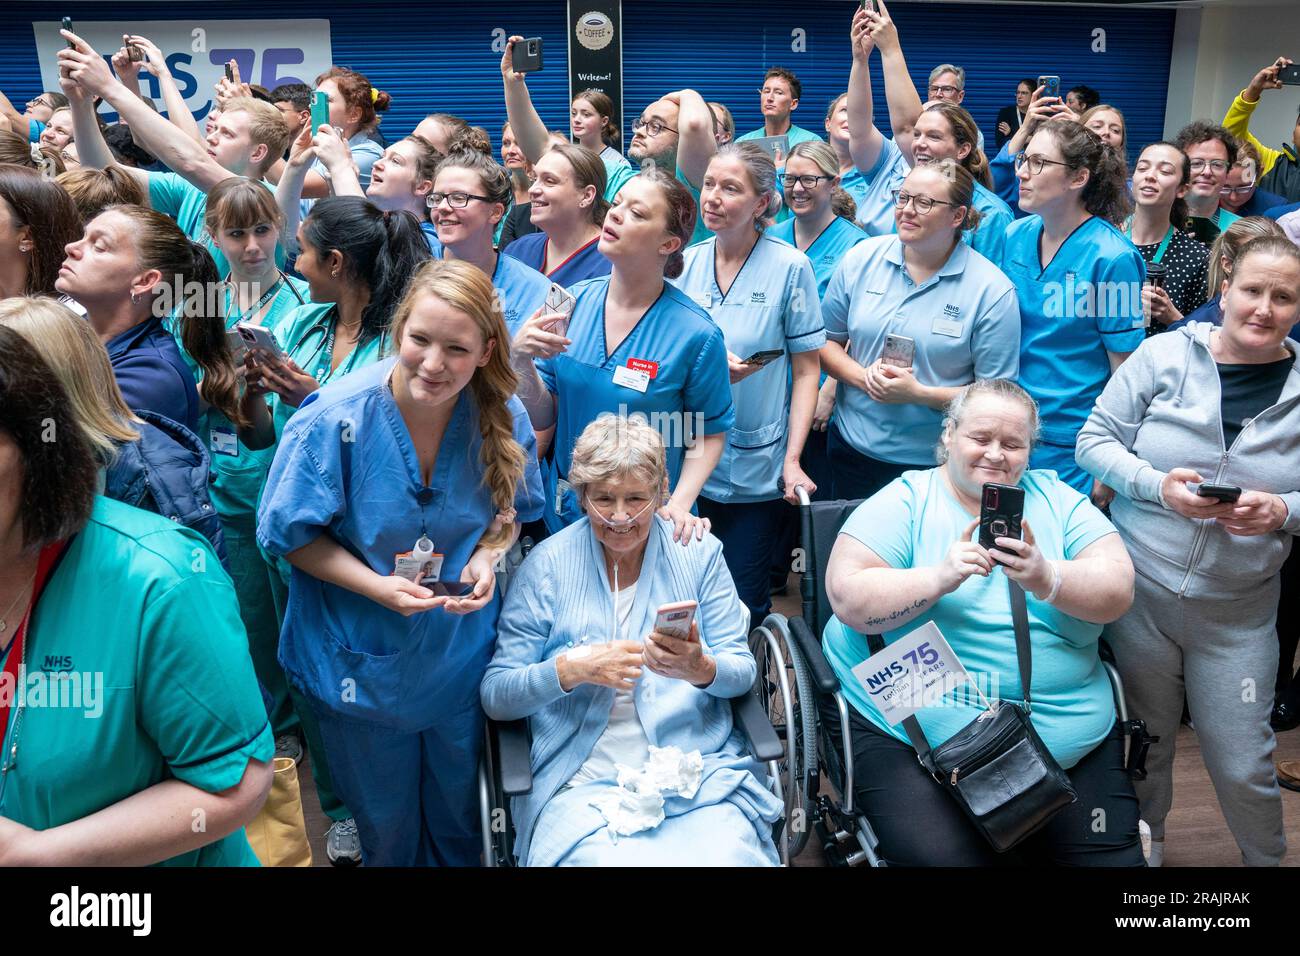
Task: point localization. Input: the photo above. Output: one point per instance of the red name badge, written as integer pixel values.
(644, 365)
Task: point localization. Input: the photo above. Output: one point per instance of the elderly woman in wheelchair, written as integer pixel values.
(911, 555)
(624, 650)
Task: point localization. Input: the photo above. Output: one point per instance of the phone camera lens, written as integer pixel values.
(999, 528)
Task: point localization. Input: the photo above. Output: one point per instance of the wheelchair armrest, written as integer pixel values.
(747, 711)
(514, 755)
(823, 676)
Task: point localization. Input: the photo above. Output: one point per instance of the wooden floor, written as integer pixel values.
(1195, 832)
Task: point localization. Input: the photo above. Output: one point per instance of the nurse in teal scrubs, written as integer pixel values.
(762, 293)
(442, 461)
(634, 343)
(468, 200)
(134, 725)
(1079, 283)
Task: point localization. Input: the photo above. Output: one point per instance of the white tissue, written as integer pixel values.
(637, 803)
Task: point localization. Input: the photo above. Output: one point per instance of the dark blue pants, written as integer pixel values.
(748, 532)
(854, 475)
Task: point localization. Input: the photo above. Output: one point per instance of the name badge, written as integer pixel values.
(703, 299)
(913, 672)
(562, 487)
(644, 365)
(222, 441)
(631, 378)
(946, 327)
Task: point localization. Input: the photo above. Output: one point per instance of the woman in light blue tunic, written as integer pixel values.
(402, 477)
(762, 293)
(578, 654)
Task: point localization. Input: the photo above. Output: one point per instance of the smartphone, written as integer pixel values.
(1227, 494)
(320, 110)
(238, 347)
(258, 337)
(527, 55)
(763, 356)
(870, 6)
(134, 53)
(560, 301)
(230, 74)
(899, 350)
(778, 147)
(675, 619)
(447, 588)
(1052, 84)
(1001, 509)
(67, 25)
(1290, 75)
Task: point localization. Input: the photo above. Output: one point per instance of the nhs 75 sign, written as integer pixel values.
(269, 52)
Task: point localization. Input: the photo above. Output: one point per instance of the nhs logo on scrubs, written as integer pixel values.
(758, 298)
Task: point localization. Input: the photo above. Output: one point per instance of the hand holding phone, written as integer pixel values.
(259, 339)
(67, 25)
(675, 619)
(526, 56)
(560, 302)
(1051, 85)
(763, 357)
(1289, 75)
(899, 351)
(1002, 508)
(1224, 493)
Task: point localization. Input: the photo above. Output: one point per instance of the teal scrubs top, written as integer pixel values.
(700, 233)
(826, 251)
(872, 190)
(1073, 709)
(963, 320)
(796, 134)
(615, 162)
(188, 205)
(1084, 303)
(143, 605)
(676, 343)
(772, 304)
(34, 130)
(617, 178)
(990, 237)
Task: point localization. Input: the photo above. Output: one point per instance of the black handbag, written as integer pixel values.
(996, 767)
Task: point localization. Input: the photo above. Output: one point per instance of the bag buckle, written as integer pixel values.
(1139, 743)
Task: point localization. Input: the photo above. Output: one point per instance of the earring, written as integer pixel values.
(334, 274)
(135, 298)
(25, 247)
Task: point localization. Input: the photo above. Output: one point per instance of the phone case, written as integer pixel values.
(899, 350)
(527, 55)
(320, 111)
(675, 619)
(1001, 509)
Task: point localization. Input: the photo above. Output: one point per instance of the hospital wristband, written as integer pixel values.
(1055, 592)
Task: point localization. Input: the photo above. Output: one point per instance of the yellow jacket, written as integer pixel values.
(1236, 122)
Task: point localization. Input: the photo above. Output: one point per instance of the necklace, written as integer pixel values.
(4, 623)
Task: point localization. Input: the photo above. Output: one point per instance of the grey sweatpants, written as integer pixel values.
(1223, 655)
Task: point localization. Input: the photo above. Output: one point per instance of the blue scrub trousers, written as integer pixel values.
(748, 532)
(1060, 459)
(414, 795)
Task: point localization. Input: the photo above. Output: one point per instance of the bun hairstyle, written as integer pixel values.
(961, 188)
(681, 214)
(474, 138)
(1231, 241)
(467, 289)
(380, 250)
(1105, 194)
(357, 94)
(844, 205)
(604, 106)
(962, 126)
(588, 170)
(761, 171)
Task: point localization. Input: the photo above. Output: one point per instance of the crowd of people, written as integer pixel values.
(279, 400)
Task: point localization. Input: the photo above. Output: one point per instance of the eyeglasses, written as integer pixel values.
(652, 128)
(1218, 165)
(923, 204)
(944, 90)
(807, 182)
(1036, 163)
(1237, 190)
(39, 102)
(455, 200)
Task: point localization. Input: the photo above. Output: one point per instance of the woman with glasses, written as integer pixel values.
(633, 343)
(912, 318)
(30, 123)
(1160, 183)
(468, 200)
(568, 206)
(579, 656)
(1079, 283)
(763, 295)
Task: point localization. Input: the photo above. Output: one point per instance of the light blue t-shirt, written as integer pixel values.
(1086, 302)
(772, 304)
(827, 250)
(964, 322)
(911, 523)
(872, 189)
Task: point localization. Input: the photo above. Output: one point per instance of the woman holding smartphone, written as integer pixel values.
(910, 319)
(390, 665)
(763, 295)
(633, 343)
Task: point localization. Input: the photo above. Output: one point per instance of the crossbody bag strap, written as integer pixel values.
(1024, 653)
(912, 727)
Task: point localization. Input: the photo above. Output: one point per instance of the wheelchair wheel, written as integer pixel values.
(788, 696)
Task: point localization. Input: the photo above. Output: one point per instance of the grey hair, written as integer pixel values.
(1002, 388)
(614, 447)
(762, 174)
(943, 68)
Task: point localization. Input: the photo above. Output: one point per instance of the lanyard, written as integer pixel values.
(323, 366)
(267, 296)
(1164, 243)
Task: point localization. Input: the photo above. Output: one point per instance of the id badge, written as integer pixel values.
(703, 299)
(946, 327)
(223, 441)
(418, 564)
(561, 488)
(631, 378)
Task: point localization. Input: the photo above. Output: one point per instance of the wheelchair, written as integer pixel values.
(505, 769)
(799, 682)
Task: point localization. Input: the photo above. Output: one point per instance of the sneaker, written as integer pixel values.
(288, 745)
(1144, 834)
(343, 843)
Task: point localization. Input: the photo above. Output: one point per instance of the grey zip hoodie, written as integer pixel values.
(1160, 411)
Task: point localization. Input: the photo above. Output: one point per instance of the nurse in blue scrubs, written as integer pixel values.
(634, 343)
(762, 293)
(414, 469)
(568, 206)
(1079, 282)
(469, 198)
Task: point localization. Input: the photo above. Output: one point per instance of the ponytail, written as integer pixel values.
(203, 333)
